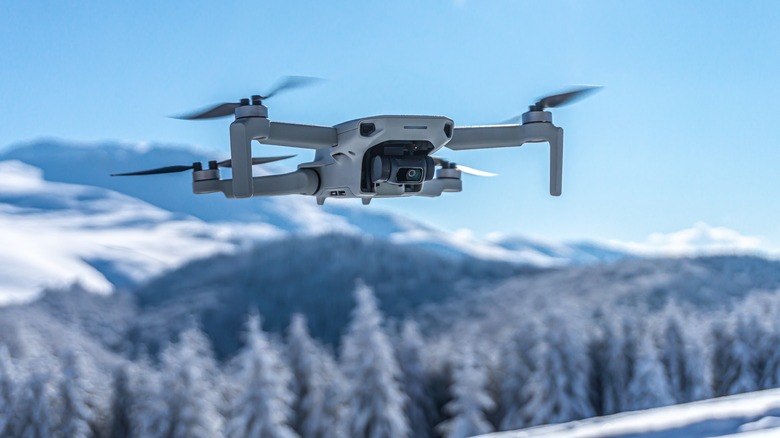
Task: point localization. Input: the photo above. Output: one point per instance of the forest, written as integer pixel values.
(384, 378)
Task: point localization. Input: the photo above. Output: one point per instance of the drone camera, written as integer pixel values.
(402, 170)
(410, 175)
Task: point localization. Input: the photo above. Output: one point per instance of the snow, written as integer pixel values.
(700, 239)
(64, 222)
(746, 415)
(56, 234)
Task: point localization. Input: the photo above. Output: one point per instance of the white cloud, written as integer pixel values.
(700, 239)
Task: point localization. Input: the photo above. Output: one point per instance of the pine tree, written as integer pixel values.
(420, 410)
(261, 408)
(736, 363)
(648, 387)
(8, 386)
(317, 384)
(121, 403)
(770, 377)
(76, 413)
(672, 355)
(470, 399)
(558, 387)
(517, 366)
(190, 389)
(683, 358)
(35, 414)
(149, 414)
(698, 371)
(375, 401)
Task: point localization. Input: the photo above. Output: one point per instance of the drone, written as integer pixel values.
(386, 156)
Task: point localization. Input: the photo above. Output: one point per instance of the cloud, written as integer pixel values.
(701, 239)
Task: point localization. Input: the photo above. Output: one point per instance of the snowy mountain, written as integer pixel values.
(312, 275)
(72, 222)
(91, 164)
(755, 414)
(57, 234)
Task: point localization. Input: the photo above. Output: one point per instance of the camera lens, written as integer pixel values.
(409, 175)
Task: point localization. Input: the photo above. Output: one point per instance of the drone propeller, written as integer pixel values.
(226, 109)
(557, 101)
(465, 169)
(224, 163)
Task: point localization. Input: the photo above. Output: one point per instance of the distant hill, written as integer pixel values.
(72, 222)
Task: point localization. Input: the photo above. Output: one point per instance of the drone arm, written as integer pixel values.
(301, 136)
(246, 129)
(498, 136)
(437, 186)
(300, 182)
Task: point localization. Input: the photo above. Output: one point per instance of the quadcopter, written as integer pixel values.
(373, 157)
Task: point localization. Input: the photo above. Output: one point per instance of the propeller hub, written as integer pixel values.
(252, 111)
(448, 173)
(204, 175)
(534, 116)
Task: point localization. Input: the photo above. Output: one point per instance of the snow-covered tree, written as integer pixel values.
(558, 386)
(683, 359)
(76, 413)
(375, 401)
(121, 403)
(148, 408)
(648, 387)
(734, 361)
(516, 368)
(261, 407)
(8, 385)
(35, 412)
(317, 384)
(770, 376)
(420, 410)
(673, 357)
(190, 388)
(698, 369)
(470, 399)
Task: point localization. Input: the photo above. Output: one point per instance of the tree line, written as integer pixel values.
(389, 380)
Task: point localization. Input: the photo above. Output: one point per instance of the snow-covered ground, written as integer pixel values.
(55, 234)
(755, 414)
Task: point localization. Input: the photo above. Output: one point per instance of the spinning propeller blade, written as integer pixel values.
(465, 169)
(472, 171)
(221, 110)
(225, 163)
(561, 99)
(556, 100)
(258, 160)
(227, 109)
(160, 170)
(291, 83)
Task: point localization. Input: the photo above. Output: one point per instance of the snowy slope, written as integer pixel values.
(755, 414)
(92, 163)
(54, 234)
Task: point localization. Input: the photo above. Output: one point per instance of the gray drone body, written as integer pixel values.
(374, 157)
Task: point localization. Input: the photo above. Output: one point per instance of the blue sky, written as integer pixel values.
(684, 131)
